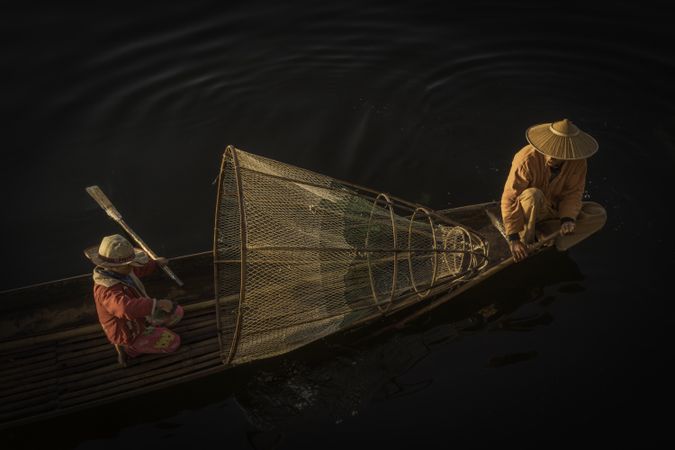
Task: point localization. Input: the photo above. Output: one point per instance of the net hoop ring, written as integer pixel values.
(434, 260)
(383, 306)
(466, 237)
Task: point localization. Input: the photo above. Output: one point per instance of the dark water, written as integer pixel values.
(424, 100)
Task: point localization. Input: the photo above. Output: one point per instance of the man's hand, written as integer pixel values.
(165, 305)
(567, 227)
(518, 250)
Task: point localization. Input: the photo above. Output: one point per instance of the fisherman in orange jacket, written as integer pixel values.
(132, 321)
(545, 186)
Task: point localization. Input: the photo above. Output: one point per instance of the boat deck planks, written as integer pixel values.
(74, 373)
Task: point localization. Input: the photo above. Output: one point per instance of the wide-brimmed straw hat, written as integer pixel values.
(116, 251)
(561, 140)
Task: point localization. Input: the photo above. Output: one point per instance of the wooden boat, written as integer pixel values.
(55, 359)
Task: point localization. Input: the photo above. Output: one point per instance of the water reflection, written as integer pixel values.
(305, 391)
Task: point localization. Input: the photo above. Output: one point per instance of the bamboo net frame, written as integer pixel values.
(316, 255)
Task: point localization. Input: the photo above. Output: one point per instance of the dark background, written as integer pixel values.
(425, 100)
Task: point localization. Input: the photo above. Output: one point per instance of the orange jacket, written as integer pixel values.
(529, 170)
(122, 307)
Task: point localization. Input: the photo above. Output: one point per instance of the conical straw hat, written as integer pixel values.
(115, 251)
(561, 140)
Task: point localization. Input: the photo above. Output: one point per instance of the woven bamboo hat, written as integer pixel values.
(561, 140)
(115, 251)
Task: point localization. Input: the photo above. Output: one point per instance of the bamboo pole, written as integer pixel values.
(64, 358)
(102, 384)
(84, 330)
(138, 386)
(44, 412)
(94, 387)
(106, 366)
(6, 419)
(79, 365)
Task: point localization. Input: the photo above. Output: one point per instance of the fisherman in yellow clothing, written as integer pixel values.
(545, 186)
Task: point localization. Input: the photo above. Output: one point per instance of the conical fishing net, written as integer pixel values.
(308, 255)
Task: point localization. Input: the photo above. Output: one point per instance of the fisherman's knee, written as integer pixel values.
(595, 213)
(533, 195)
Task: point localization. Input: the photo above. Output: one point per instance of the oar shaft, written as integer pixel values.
(149, 251)
(137, 238)
(104, 202)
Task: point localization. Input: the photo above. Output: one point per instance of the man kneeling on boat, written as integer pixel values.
(544, 189)
(134, 322)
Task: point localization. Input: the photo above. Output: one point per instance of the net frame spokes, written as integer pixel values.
(384, 263)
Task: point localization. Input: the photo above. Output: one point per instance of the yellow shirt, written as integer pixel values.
(529, 170)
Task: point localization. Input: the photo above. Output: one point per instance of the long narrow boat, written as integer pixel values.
(297, 256)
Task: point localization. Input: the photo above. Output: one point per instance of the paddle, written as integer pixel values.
(105, 203)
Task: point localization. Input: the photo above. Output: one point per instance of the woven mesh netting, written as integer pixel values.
(307, 256)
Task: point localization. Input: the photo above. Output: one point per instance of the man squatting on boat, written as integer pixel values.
(134, 322)
(545, 187)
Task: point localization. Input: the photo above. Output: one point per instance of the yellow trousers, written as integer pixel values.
(541, 216)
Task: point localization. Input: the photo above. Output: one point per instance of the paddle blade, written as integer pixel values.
(104, 202)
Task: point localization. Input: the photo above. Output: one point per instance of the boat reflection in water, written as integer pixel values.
(308, 388)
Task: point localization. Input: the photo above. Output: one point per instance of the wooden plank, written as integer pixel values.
(49, 410)
(28, 413)
(96, 387)
(19, 400)
(27, 380)
(213, 359)
(86, 330)
(106, 383)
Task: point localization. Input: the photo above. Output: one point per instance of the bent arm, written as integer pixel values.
(517, 181)
(146, 269)
(122, 306)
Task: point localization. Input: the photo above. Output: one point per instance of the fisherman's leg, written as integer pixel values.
(591, 218)
(121, 355)
(155, 340)
(535, 208)
(549, 223)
